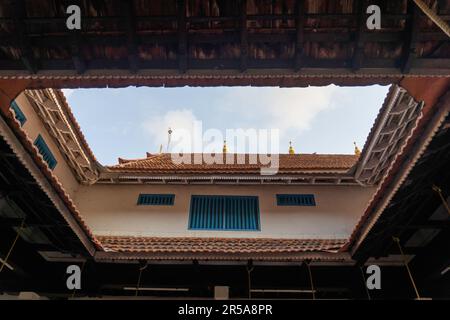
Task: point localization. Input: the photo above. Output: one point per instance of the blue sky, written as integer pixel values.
(131, 121)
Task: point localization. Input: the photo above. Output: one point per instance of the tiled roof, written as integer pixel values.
(389, 186)
(54, 181)
(162, 163)
(124, 244)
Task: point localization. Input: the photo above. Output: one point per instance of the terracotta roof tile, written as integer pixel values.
(162, 163)
(124, 244)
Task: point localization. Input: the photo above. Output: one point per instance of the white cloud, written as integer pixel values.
(282, 108)
(180, 121)
(286, 109)
(290, 110)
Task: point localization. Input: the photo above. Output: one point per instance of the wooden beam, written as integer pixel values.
(439, 66)
(7, 223)
(436, 48)
(359, 9)
(411, 35)
(244, 36)
(46, 40)
(182, 36)
(433, 224)
(27, 56)
(168, 18)
(300, 33)
(10, 222)
(132, 47)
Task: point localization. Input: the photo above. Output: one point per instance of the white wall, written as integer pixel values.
(33, 127)
(112, 210)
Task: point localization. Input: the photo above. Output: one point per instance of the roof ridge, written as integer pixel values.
(160, 163)
(159, 155)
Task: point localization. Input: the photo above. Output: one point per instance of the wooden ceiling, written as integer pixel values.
(303, 37)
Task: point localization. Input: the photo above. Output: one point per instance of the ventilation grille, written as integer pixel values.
(18, 114)
(156, 200)
(296, 200)
(45, 152)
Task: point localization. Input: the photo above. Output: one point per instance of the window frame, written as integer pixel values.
(18, 113)
(169, 196)
(309, 200)
(40, 140)
(257, 222)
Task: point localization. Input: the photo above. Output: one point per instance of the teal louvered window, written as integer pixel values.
(45, 152)
(18, 114)
(156, 199)
(296, 200)
(234, 213)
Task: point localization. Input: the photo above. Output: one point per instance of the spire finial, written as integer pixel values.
(357, 151)
(291, 149)
(225, 149)
(169, 138)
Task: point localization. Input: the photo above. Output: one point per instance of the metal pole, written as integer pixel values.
(311, 281)
(12, 246)
(397, 240)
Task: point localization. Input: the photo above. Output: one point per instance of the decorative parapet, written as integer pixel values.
(54, 116)
(393, 127)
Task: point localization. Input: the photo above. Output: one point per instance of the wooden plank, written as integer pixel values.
(434, 224)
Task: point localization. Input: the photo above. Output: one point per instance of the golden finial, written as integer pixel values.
(291, 149)
(357, 151)
(224, 150)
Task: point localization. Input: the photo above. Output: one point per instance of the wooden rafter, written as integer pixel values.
(300, 33)
(27, 56)
(412, 32)
(182, 36)
(359, 8)
(78, 62)
(132, 47)
(75, 47)
(244, 36)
